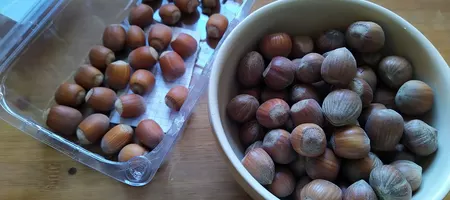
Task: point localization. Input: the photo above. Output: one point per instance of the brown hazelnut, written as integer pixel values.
(301, 45)
(216, 26)
(283, 183)
(360, 190)
(366, 73)
(93, 128)
(330, 40)
(385, 96)
(298, 166)
(325, 166)
(350, 142)
(394, 71)
(101, 99)
(389, 183)
(242, 108)
(257, 144)
(308, 140)
(414, 98)
(371, 59)
(279, 74)
(135, 37)
(357, 169)
(365, 36)
(69, 94)
(130, 105)
(250, 132)
(142, 81)
(339, 67)
(255, 92)
(363, 89)
(185, 45)
(259, 164)
(141, 15)
(250, 69)
(367, 111)
(114, 37)
(100, 57)
(210, 3)
(411, 171)
(267, 94)
(172, 65)
(321, 189)
(149, 133)
(159, 36)
(303, 91)
(62, 119)
(276, 44)
(272, 113)
(385, 129)
(116, 138)
(420, 137)
(170, 14)
(187, 6)
(342, 107)
(176, 96)
(307, 111)
(304, 180)
(143, 58)
(308, 70)
(88, 77)
(276, 143)
(117, 75)
(130, 151)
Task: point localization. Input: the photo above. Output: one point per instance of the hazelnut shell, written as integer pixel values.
(149, 133)
(276, 44)
(185, 45)
(101, 99)
(279, 74)
(273, 113)
(175, 97)
(114, 37)
(308, 140)
(259, 164)
(142, 81)
(141, 15)
(276, 143)
(116, 138)
(159, 36)
(242, 108)
(93, 128)
(143, 58)
(216, 26)
(130, 105)
(172, 65)
(130, 151)
(63, 119)
(135, 37)
(170, 14)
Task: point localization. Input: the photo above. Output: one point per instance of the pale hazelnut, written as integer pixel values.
(414, 98)
(360, 190)
(70, 94)
(342, 107)
(389, 183)
(259, 164)
(100, 57)
(420, 137)
(363, 89)
(411, 171)
(88, 77)
(339, 67)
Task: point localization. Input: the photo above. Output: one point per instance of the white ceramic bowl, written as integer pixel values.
(309, 17)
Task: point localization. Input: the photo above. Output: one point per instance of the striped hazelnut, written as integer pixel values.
(143, 58)
(170, 14)
(116, 138)
(88, 77)
(279, 74)
(141, 15)
(101, 99)
(176, 96)
(100, 57)
(276, 44)
(130, 151)
(350, 142)
(185, 45)
(172, 65)
(149, 133)
(70, 94)
(62, 119)
(142, 81)
(93, 128)
(330, 40)
(325, 166)
(187, 6)
(114, 37)
(135, 37)
(276, 143)
(130, 105)
(259, 164)
(117, 75)
(216, 26)
(159, 36)
(242, 108)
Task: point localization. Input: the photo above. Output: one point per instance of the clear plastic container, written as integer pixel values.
(43, 47)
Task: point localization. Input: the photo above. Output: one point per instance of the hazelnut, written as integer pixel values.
(255, 92)
(308, 69)
(114, 37)
(308, 140)
(339, 67)
(301, 45)
(330, 40)
(371, 59)
(411, 171)
(414, 98)
(300, 185)
(389, 183)
(394, 71)
(250, 69)
(62, 119)
(141, 15)
(149, 133)
(276, 143)
(384, 96)
(272, 113)
(385, 129)
(93, 128)
(69, 94)
(216, 26)
(268, 94)
(363, 89)
(342, 107)
(357, 169)
(130, 151)
(303, 91)
(101, 99)
(170, 14)
(360, 190)
(159, 36)
(306, 111)
(143, 58)
(116, 138)
(187, 6)
(259, 164)
(142, 81)
(135, 37)
(283, 183)
(365, 36)
(88, 77)
(279, 74)
(242, 108)
(321, 189)
(210, 3)
(366, 112)
(185, 45)
(100, 57)
(366, 73)
(117, 75)
(130, 105)
(325, 166)
(250, 132)
(257, 144)
(298, 166)
(420, 137)
(350, 142)
(172, 65)
(276, 44)
(176, 97)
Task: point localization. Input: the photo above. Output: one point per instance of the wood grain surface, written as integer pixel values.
(32, 170)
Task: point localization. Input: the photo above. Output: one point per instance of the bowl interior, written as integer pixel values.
(310, 18)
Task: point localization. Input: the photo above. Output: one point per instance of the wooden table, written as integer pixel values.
(31, 170)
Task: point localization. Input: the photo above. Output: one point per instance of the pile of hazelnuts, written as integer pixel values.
(332, 117)
(96, 87)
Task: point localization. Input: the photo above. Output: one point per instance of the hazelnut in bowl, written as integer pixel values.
(332, 126)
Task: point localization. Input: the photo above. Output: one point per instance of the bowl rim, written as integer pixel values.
(213, 107)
